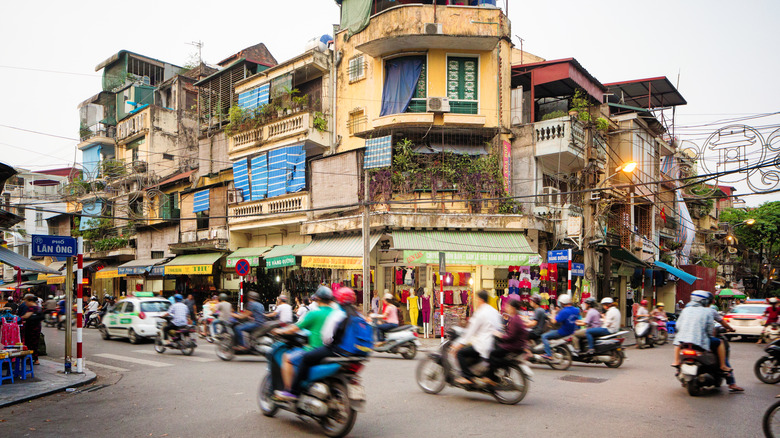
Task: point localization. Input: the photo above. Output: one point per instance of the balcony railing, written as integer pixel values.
(560, 142)
(98, 131)
(300, 124)
(133, 125)
(252, 211)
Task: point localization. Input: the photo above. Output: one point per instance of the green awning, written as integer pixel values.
(462, 241)
(251, 254)
(338, 246)
(193, 264)
(283, 255)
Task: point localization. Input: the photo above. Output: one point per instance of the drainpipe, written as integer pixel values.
(335, 62)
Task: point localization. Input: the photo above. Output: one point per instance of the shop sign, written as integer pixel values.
(334, 262)
(560, 256)
(625, 271)
(253, 261)
(507, 167)
(578, 269)
(280, 262)
(188, 270)
(55, 279)
(138, 270)
(108, 273)
(157, 271)
(473, 258)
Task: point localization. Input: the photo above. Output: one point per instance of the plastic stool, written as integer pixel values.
(21, 371)
(671, 327)
(10, 375)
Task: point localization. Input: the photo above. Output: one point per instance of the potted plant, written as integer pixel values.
(579, 106)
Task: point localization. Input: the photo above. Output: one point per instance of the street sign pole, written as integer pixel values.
(79, 306)
(568, 291)
(442, 270)
(242, 269)
(68, 313)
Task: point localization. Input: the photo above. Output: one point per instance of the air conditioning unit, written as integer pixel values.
(437, 105)
(432, 29)
(595, 196)
(235, 196)
(550, 196)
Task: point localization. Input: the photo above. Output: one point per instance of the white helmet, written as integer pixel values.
(564, 299)
(701, 296)
(607, 300)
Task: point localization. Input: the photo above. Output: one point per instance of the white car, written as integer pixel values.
(134, 318)
(747, 320)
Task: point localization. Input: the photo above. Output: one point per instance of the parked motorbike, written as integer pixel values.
(52, 318)
(699, 369)
(609, 351)
(767, 367)
(436, 370)
(400, 340)
(258, 341)
(332, 395)
(561, 354)
(180, 339)
(643, 332)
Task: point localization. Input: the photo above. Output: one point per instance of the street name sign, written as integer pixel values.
(53, 246)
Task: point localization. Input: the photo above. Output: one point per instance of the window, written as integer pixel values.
(129, 308)
(155, 306)
(405, 85)
(357, 68)
(38, 217)
(158, 254)
(462, 84)
(202, 220)
(167, 157)
(418, 104)
(357, 121)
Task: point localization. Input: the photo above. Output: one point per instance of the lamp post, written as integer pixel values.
(626, 168)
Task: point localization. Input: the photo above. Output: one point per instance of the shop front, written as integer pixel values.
(137, 274)
(283, 274)
(472, 261)
(254, 281)
(108, 281)
(621, 282)
(197, 274)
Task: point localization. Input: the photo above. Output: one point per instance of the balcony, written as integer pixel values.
(560, 144)
(213, 239)
(413, 26)
(99, 134)
(133, 126)
(299, 126)
(253, 212)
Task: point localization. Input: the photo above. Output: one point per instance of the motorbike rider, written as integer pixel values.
(771, 314)
(567, 318)
(180, 316)
(592, 320)
(717, 345)
(538, 320)
(610, 324)
(512, 340)
(50, 305)
(108, 305)
(695, 325)
(283, 310)
(390, 316)
(92, 307)
(254, 316)
(313, 322)
(477, 340)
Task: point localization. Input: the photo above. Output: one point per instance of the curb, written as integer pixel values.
(84, 382)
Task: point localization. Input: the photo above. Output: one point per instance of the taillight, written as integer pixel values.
(726, 318)
(688, 352)
(353, 367)
(621, 340)
(416, 335)
(142, 315)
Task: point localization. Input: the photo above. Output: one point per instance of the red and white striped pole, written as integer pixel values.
(568, 290)
(79, 305)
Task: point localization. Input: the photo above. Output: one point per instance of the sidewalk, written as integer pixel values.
(49, 379)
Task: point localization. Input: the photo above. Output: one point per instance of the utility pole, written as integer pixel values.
(68, 314)
(366, 247)
(586, 236)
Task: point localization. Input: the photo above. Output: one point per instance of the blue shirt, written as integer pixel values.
(179, 314)
(694, 325)
(258, 311)
(567, 318)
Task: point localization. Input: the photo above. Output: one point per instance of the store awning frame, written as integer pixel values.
(251, 254)
(462, 241)
(677, 272)
(140, 266)
(624, 256)
(193, 264)
(339, 246)
(281, 256)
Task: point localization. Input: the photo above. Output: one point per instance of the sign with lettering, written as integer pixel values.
(560, 256)
(280, 262)
(578, 269)
(53, 246)
(507, 167)
(473, 258)
(189, 270)
(332, 262)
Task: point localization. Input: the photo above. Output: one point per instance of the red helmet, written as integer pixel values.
(643, 302)
(345, 295)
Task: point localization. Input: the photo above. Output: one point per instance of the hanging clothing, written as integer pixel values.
(399, 277)
(456, 299)
(448, 299)
(405, 296)
(409, 277)
(426, 309)
(414, 309)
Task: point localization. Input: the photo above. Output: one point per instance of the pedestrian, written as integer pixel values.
(31, 314)
(190, 303)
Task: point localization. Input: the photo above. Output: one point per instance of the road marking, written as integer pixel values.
(180, 356)
(150, 363)
(90, 364)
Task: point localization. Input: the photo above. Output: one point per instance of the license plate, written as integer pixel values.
(356, 392)
(689, 369)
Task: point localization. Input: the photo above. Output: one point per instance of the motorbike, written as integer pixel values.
(258, 341)
(771, 420)
(93, 320)
(771, 333)
(332, 395)
(662, 333)
(561, 355)
(699, 369)
(643, 332)
(609, 351)
(52, 318)
(180, 340)
(767, 367)
(436, 370)
(400, 340)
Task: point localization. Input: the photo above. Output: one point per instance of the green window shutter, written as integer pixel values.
(417, 104)
(462, 81)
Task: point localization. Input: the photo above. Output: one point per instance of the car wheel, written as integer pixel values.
(133, 337)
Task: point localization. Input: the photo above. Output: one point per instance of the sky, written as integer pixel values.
(723, 55)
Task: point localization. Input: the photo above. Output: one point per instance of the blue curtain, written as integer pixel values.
(241, 177)
(277, 172)
(401, 76)
(90, 158)
(259, 177)
(296, 165)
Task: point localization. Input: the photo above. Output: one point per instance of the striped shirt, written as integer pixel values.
(695, 325)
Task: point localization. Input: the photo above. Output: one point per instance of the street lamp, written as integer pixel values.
(628, 168)
(748, 222)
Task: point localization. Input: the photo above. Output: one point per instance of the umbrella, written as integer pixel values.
(731, 293)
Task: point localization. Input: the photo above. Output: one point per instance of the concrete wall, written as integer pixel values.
(212, 154)
(156, 239)
(524, 168)
(334, 180)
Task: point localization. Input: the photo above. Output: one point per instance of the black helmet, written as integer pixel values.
(590, 301)
(254, 296)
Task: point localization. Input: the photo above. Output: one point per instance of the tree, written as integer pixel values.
(761, 238)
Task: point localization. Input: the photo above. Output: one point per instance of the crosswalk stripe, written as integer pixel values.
(90, 364)
(180, 356)
(150, 363)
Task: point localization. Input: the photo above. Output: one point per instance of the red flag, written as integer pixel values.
(663, 214)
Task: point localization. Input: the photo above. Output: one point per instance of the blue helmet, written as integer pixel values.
(324, 293)
(178, 298)
(702, 297)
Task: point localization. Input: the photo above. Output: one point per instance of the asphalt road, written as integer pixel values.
(140, 393)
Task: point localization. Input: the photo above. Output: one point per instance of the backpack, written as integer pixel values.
(357, 337)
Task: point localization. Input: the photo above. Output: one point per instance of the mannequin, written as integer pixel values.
(413, 306)
(493, 299)
(426, 311)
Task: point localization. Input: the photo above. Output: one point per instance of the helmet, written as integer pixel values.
(590, 301)
(607, 300)
(536, 298)
(324, 293)
(283, 298)
(345, 295)
(660, 305)
(564, 299)
(223, 297)
(772, 300)
(702, 297)
(51, 297)
(93, 298)
(643, 302)
(388, 296)
(254, 296)
(178, 298)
